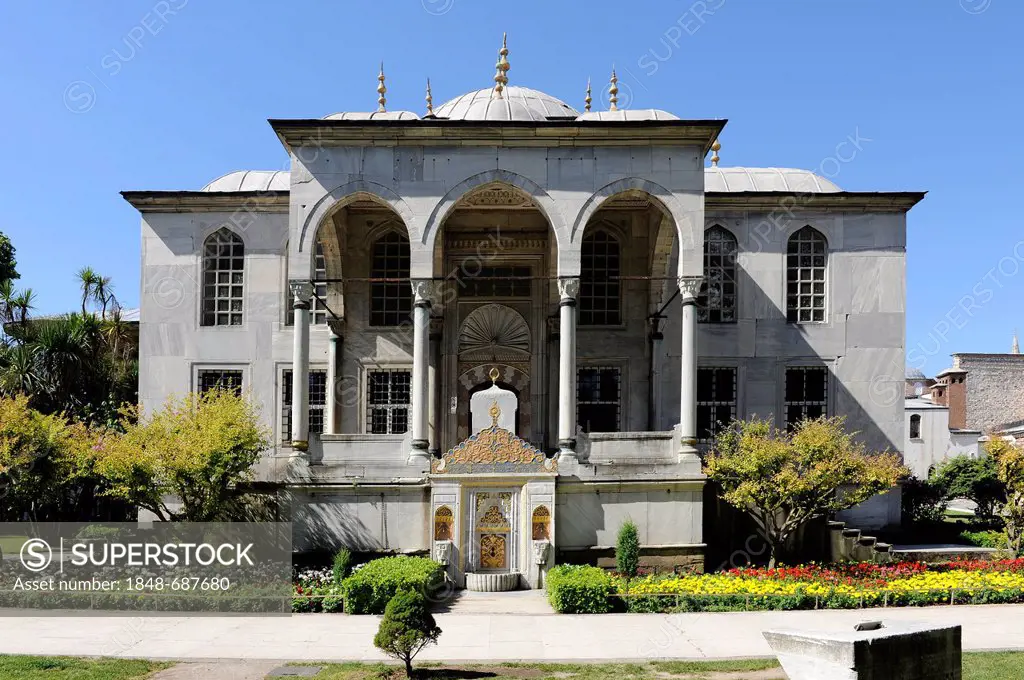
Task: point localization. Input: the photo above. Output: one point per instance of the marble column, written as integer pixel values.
(301, 291)
(334, 358)
(568, 289)
(689, 287)
(423, 292)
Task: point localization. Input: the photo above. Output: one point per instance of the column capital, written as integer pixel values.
(689, 287)
(568, 287)
(301, 289)
(424, 291)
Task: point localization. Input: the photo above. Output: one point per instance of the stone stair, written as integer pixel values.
(850, 545)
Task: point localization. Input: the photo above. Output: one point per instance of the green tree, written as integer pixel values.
(196, 449)
(407, 627)
(38, 462)
(974, 478)
(784, 479)
(8, 265)
(627, 550)
(1009, 458)
(87, 280)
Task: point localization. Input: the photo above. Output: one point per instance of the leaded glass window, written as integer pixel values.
(388, 401)
(496, 282)
(806, 263)
(716, 302)
(598, 398)
(599, 300)
(317, 402)
(716, 401)
(390, 292)
(223, 272)
(806, 395)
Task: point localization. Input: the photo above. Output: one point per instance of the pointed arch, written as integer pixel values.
(345, 194)
(684, 223)
(547, 206)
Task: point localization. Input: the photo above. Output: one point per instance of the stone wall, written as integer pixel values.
(995, 385)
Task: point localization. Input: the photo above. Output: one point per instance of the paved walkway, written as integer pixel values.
(476, 637)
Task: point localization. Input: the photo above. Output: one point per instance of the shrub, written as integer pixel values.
(407, 627)
(342, 567)
(627, 550)
(924, 501)
(369, 590)
(576, 589)
(986, 539)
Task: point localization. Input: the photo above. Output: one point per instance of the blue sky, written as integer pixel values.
(141, 94)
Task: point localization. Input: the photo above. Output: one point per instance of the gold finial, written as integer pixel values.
(494, 375)
(1015, 348)
(495, 412)
(430, 100)
(381, 100)
(501, 68)
(613, 92)
(589, 98)
(716, 147)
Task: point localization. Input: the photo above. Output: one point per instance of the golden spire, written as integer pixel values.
(381, 100)
(1015, 349)
(589, 98)
(430, 100)
(501, 68)
(716, 147)
(613, 93)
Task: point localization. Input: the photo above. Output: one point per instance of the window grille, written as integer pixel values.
(598, 398)
(388, 401)
(716, 401)
(317, 402)
(716, 302)
(219, 379)
(806, 395)
(599, 300)
(223, 273)
(806, 263)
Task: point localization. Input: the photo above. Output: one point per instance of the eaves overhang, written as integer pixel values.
(207, 201)
(316, 132)
(839, 201)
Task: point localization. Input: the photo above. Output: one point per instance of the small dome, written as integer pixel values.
(766, 179)
(251, 180)
(628, 115)
(516, 103)
(372, 115)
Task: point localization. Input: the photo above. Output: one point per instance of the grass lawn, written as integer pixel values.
(11, 545)
(977, 666)
(70, 668)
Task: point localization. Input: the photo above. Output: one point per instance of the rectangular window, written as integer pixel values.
(806, 394)
(598, 398)
(388, 401)
(317, 402)
(219, 378)
(716, 401)
(495, 282)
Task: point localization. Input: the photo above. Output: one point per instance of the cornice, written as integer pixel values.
(843, 201)
(319, 132)
(207, 201)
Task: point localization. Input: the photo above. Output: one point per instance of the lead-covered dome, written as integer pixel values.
(767, 179)
(251, 180)
(516, 103)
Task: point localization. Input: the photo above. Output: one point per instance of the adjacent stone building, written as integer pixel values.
(586, 266)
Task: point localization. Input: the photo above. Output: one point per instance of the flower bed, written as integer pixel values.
(815, 586)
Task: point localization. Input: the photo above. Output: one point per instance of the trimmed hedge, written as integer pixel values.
(576, 589)
(368, 590)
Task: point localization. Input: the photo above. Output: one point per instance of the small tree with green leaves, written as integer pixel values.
(784, 479)
(196, 449)
(407, 627)
(974, 478)
(1009, 459)
(627, 550)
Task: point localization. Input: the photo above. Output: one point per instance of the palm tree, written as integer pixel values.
(88, 280)
(20, 304)
(103, 294)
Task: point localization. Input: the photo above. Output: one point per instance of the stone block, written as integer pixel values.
(897, 650)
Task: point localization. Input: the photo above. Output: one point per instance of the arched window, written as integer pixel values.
(317, 306)
(915, 426)
(223, 270)
(716, 302)
(599, 280)
(541, 523)
(444, 522)
(390, 291)
(806, 264)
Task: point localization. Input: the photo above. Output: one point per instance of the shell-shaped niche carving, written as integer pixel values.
(494, 327)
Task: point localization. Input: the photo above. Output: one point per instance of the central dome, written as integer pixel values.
(516, 103)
